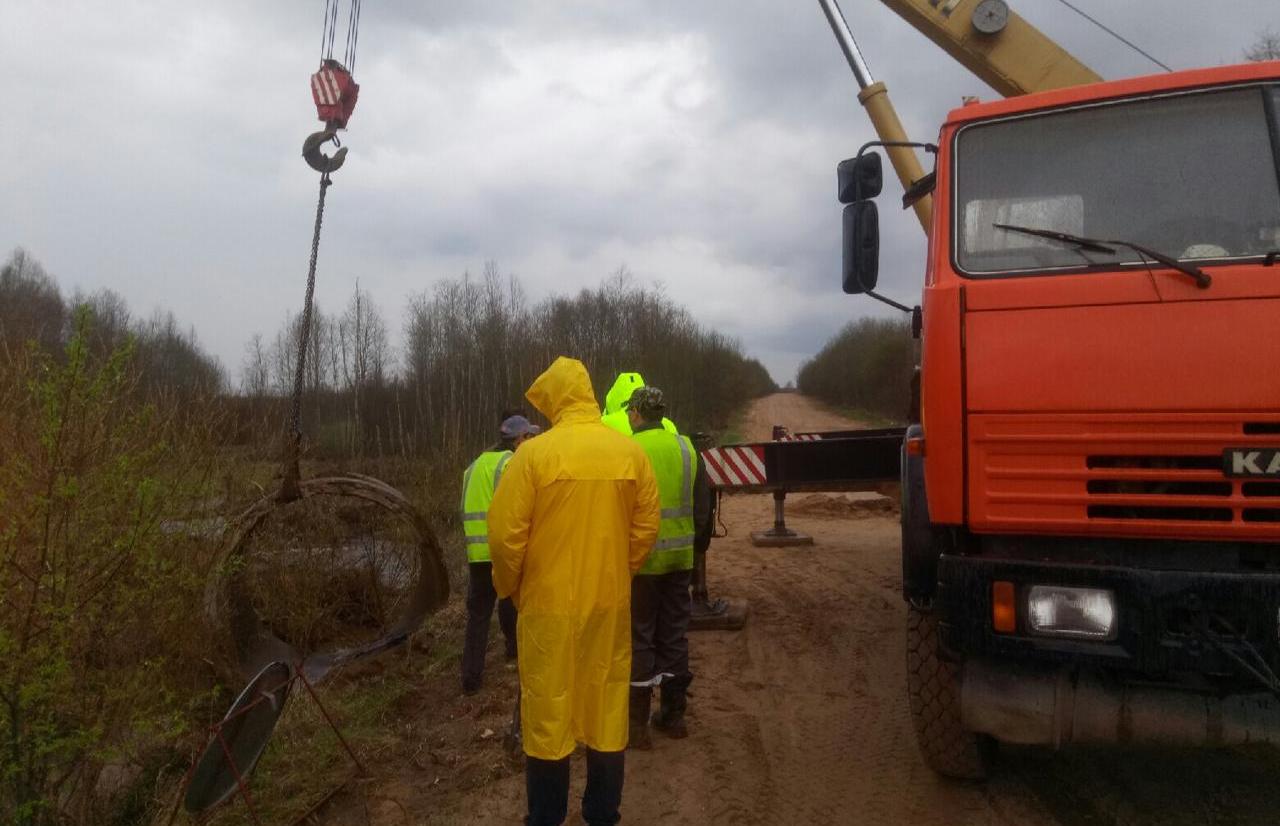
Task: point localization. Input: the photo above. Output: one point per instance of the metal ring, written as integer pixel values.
(227, 602)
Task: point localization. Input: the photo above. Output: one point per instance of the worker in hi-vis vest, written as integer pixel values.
(615, 401)
(660, 603)
(479, 481)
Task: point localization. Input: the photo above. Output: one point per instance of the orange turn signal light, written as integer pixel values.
(1004, 615)
(915, 446)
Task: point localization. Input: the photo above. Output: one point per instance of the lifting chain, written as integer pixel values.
(293, 433)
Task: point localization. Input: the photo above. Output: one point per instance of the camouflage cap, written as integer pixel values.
(647, 401)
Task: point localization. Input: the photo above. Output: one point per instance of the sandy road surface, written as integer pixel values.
(801, 717)
(792, 410)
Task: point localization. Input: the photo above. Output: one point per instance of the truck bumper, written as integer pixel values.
(1173, 626)
(1058, 705)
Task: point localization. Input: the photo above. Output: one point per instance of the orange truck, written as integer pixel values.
(1091, 483)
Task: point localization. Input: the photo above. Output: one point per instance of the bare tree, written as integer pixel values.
(1266, 47)
(362, 342)
(255, 370)
(112, 324)
(171, 360)
(282, 355)
(31, 306)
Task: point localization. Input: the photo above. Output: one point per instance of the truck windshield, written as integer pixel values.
(1194, 176)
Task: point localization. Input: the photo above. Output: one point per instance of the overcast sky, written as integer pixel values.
(153, 148)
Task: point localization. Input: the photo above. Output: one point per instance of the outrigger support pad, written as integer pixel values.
(779, 536)
(316, 159)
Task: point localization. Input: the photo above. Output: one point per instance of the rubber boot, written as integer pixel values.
(670, 717)
(638, 720)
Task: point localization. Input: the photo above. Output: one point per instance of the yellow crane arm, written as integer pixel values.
(990, 40)
(874, 97)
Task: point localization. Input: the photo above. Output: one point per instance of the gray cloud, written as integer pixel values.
(153, 148)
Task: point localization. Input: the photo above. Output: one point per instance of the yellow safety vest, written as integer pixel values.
(478, 484)
(674, 465)
(620, 422)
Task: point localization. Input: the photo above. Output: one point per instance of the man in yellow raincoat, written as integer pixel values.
(573, 520)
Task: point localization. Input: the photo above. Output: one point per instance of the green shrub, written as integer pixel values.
(98, 581)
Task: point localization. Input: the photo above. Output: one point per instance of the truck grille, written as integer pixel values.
(1128, 475)
(1158, 476)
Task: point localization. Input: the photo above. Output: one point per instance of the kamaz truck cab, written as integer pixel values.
(1091, 493)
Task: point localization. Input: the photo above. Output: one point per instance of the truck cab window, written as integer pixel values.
(1193, 176)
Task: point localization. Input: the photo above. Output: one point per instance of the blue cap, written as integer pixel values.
(517, 426)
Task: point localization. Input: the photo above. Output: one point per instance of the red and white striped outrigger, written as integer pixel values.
(827, 461)
(735, 465)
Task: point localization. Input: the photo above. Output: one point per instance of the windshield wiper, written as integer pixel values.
(1202, 278)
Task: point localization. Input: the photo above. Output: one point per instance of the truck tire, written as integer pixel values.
(933, 687)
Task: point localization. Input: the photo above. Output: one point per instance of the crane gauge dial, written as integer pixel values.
(991, 16)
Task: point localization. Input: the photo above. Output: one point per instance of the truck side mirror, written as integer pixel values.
(861, 265)
(859, 178)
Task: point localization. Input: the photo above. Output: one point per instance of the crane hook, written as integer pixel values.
(316, 159)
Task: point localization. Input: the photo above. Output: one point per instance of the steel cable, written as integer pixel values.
(353, 35)
(294, 434)
(324, 29)
(1115, 34)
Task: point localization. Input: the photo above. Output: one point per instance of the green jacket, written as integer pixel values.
(615, 415)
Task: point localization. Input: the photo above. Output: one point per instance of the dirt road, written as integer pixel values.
(801, 717)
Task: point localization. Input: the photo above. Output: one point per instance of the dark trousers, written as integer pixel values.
(547, 784)
(480, 599)
(659, 626)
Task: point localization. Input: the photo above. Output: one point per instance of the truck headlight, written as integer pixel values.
(1082, 613)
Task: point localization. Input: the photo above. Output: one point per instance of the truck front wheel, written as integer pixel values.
(933, 686)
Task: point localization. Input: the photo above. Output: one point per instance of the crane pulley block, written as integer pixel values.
(334, 91)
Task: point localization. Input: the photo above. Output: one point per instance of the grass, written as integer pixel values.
(871, 420)
(374, 704)
(378, 704)
(735, 433)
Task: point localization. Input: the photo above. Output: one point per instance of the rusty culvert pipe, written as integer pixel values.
(228, 605)
(1056, 707)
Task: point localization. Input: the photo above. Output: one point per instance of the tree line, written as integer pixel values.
(35, 313)
(472, 345)
(866, 367)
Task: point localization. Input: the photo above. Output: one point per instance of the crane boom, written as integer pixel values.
(874, 97)
(990, 40)
(994, 43)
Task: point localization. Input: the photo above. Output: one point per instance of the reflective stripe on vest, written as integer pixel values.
(674, 466)
(478, 484)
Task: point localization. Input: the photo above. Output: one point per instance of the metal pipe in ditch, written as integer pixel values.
(1053, 708)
